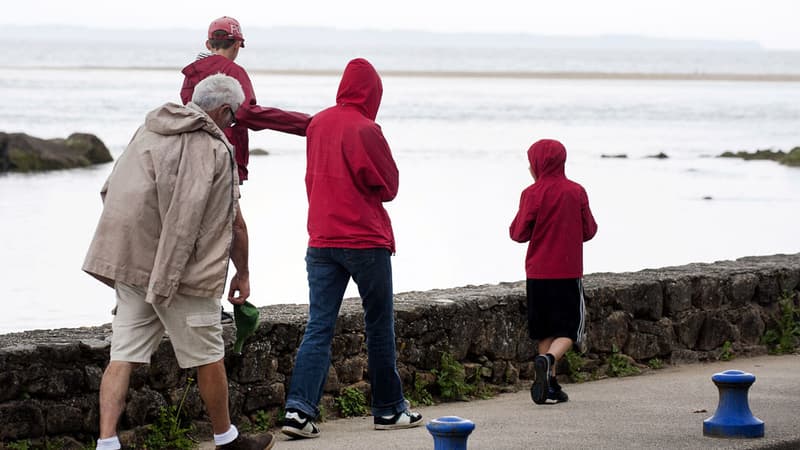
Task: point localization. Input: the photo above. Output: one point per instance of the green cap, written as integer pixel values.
(246, 319)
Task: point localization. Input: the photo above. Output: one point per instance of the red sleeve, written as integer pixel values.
(256, 117)
(589, 225)
(378, 172)
(521, 227)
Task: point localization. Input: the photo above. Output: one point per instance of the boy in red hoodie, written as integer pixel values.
(350, 173)
(225, 38)
(554, 217)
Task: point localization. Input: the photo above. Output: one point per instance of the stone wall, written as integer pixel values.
(49, 380)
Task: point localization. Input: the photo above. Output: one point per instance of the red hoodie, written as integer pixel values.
(553, 215)
(350, 171)
(249, 115)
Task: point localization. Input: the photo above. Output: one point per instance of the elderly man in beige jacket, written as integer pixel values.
(169, 225)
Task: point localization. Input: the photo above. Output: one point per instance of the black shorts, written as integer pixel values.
(556, 309)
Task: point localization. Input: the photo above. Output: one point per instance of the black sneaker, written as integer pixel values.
(541, 384)
(556, 393)
(225, 317)
(299, 426)
(260, 442)
(403, 419)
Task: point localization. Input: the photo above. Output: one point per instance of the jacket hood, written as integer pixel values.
(547, 158)
(361, 87)
(171, 118)
(204, 66)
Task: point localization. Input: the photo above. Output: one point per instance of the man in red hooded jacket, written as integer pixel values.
(224, 41)
(554, 216)
(350, 172)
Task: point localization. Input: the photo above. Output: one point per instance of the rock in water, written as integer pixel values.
(20, 152)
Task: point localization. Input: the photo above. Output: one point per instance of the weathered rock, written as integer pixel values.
(351, 370)
(683, 356)
(20, 152)
(790, 158)
(677, 296)
(715, 332)
(61, 418)
(332, 384)
(12, 387)
(21, 419)
(706, 293)
(164, 372)
(143, 406)
(257, 363)
(751, 327)
(769, 288)
(650, 339)
(348, 344)
(500, 337)
(262, 396)
(188, 398)
(613, 334)
(742, 288)
(688, 328)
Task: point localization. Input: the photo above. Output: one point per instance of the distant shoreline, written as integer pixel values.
(554, 75)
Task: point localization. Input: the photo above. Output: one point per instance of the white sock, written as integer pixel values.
(226, 437)
(111, 443)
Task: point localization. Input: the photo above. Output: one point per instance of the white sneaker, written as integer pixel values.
(403, 419)
(297, 425)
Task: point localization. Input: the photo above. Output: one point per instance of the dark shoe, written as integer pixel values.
(556, 393)
(403, 419)
(541, 384)
(225, 317)
(299, 426)
(256, 442)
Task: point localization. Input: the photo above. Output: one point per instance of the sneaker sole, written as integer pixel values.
(399, 426)
(300, 434)
(540, 385)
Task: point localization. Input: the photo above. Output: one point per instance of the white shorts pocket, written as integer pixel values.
(203, 320)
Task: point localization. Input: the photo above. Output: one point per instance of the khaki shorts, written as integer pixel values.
(192, 323)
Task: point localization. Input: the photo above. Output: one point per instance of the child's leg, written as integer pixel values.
(556, 347)
(543, 346)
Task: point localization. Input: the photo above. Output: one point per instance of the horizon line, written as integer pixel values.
(640, 36)
(548, 75)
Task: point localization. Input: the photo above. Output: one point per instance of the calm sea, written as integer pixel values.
(459, 142)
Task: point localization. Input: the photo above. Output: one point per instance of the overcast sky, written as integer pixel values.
(773, 23)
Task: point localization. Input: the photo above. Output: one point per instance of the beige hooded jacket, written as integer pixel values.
(168, 208)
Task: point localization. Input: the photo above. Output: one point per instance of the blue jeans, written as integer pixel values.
(329, 271)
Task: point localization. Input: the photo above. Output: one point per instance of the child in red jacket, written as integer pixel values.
(225, 39)
(554, 217)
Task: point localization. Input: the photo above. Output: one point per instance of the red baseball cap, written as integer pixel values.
(229, 25)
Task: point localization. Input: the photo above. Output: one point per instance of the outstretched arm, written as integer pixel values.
(258, 118)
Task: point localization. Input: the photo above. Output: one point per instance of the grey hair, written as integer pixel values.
(217, 90)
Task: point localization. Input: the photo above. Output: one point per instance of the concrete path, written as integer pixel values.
(663, 409)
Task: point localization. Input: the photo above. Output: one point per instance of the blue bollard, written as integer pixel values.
(450, 432)
(733, 418)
